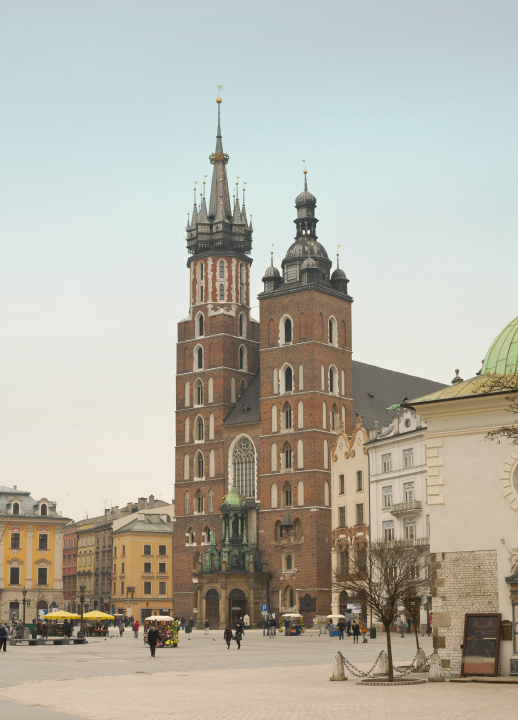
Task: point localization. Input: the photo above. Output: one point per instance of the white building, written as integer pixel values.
(473, 505)
(397, 480)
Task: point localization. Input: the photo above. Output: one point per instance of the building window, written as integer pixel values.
(242, 387)
(114, 567)
(344, 561)
(147, 549)
(162, 549)
(187, 503)
(161, 568)
(388, 530)
(200, 325)
(147, 567)
(359, 481)
(122, 588)
(162, 588)
(42, 576)
(199, 503)
(198, 392)
(387, 462)
(243, 460)
(341, 516)
(241, 325)
(15, 541)
(14, 576)
(122, 568)
(287, 496)
(43, 541)
(341, 484)
(287, 330)
(287, 416)
(387, 496)
(408, 458)
(287, 457)
(409, 528)
(201, 294)
(43, 510)
(359, 514)
(242, 358)
(201, 270)
(200, 465)
(221, 270)
(409, 491)
(147, 588)
(16, 509)
(190, 536)
(288, 379)
(289, 563)
(200, 358)
(211, 500)
(221, 292)
(199, 428)
(334, 418)
(362, 557)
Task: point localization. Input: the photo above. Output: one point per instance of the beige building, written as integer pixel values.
(473, 504)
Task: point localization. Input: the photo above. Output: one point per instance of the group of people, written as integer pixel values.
(355, 629)
(228, 636)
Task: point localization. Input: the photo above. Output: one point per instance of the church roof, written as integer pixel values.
(375, 389)
(248, 407)
(502, 356)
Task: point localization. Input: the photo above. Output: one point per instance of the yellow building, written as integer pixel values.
(31, 552)
(142, 573)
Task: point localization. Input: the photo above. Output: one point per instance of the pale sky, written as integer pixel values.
(406, 113)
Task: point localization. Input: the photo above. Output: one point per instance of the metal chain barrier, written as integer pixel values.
(402, 673)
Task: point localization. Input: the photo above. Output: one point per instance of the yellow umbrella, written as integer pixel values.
(61, 615)
(96, 615)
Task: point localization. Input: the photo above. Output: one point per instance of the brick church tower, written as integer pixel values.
(217, 357)
(306, 393)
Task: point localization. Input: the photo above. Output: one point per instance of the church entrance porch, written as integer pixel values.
(237, 605)
(224, 597)
(212, 608)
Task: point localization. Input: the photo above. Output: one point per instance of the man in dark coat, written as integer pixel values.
(152, 639)
(3, 637)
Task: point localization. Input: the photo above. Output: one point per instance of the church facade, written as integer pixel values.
(258, 408)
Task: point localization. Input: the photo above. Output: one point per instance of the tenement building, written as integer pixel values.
(259, 406)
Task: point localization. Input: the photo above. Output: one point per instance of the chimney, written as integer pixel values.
(107, 513)
(151, 502)
(142, 503)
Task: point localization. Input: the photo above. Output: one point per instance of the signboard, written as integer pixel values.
(481, 644)
(264, 608)
(307, 604)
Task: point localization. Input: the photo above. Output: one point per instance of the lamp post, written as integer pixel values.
(24, 593)
(82, 588)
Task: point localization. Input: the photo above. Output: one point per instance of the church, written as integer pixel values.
(258, 408)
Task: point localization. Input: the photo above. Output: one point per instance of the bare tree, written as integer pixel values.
(507, 384)
(394, 574)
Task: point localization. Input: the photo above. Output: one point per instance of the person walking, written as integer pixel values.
(152, 639)
(364, 632)
(402, 628)
(341, 628)
(240, 627)
(227, 636)
(273, 626)
(207, 627)
(191, 623)
(121, 628)
(238, 637)
(136, 626)
(246, 620)
(356, 631)
(182, 623)
(3, 637)
(348, 628)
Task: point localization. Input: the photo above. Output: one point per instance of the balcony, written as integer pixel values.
(416, 542)
(410, 506)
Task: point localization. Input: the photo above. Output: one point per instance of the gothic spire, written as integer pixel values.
(219, 207)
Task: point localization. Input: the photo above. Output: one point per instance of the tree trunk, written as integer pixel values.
(389, 652)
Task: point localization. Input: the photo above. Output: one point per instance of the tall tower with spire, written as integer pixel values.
(217, 358)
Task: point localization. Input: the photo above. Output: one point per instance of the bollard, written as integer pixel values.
(420, 663)
(382, 667)
(435, 669)
(338, 669)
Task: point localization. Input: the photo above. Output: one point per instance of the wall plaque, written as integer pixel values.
(481, 644)
(307, 604)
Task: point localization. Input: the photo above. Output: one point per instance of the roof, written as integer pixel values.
(248, 407)
(502, 356)
(29, 507)
(375, 389)
(147, 524)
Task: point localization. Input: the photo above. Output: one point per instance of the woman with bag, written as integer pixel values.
(227, 636)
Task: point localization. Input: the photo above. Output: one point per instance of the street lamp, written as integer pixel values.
(24, 593)
(82, 588)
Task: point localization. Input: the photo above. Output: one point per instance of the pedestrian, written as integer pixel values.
(341, 628)
(121, 628)
(44, 631)
(191, 623)
(364, 632)
(402, 629)
(240, 627)
(207, 627)
(136, 626)
(3, 637)
(273, 626)
(182, 623)
(266, 625)
(356, 631)
(238, 637)
(348, 627)
(152, 639)
(246, 620)
(227, 636)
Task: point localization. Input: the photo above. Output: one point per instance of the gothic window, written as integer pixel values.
(242, 280)
(273, 495)
(198, 392)
(221, 270)
(200, 299)
(211, 500)
(275, 381)
(211, 389)
(212, 463)
(243, 461)
(343, 382)
(242, 358)
(300, 415)
(288, 379)
(187, 503)
(287, 330)
(190, 536)
(289, 566)
(211, 427)
(300, 455)
(199, 358)
(287, 457)
(199, 465)
(200, 428)
(333, 380)
(199, 503)
(241, 325)
(186, 466)
(274, 418)
(287, 416)
(300, 493)
(326, 493)
(333, 331)
(322, 377)
(334, 418)
(186, 433)
(242, 387)
(324, 415)
(301, 377)
(221, 292)
(187, 394)
(287, 495)
(326, 455)
(273, 457)
(291, 599)
(201, 270)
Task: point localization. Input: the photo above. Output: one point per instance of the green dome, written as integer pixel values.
(233, 497)
(502, 356)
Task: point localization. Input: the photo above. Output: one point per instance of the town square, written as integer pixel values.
(259, 418)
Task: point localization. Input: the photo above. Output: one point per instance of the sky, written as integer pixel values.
(406, 114)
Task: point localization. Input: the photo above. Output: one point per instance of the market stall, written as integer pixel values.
(292, 624)
(59, 623)
(96, 623)
(167, 628)
(333, 629)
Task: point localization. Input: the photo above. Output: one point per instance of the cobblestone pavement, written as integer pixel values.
(284, 678)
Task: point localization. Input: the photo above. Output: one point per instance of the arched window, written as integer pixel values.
(287, 330)
(186, 431)
(334, 418)
(242, 325)
(322, 377)
(199, 503)
(290, 596)
(300, 493)
(300, 454)
(289, 566)
(326, 455)
(288, 379)
(211, 427)
(16, 508)
(300, 415)
(242, 358)
(242, 281)
(211, 390)
(287, 457)
(186, 466)
(212, 463)
(343, 382)
(333, 380)
(187, 503)
(301, 377)
(343, 415)
(190, 536)
(333, 331)
(221, 292)
(200, 428)
(287, 416)
(199, 466)
(287, 495)
(297, 530)
(326, 493)
(198, 392)
(187, 394)
(206, 534)
(274, 418)
(277, 530)
(199, 358)
(43, 510)
(200, 268)
(273, 457)
(324, 415)
(200, 324)
(211, 501)
(243, 460)
(273, 495)
(242, 387)
(221, 270)
(275, 381)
